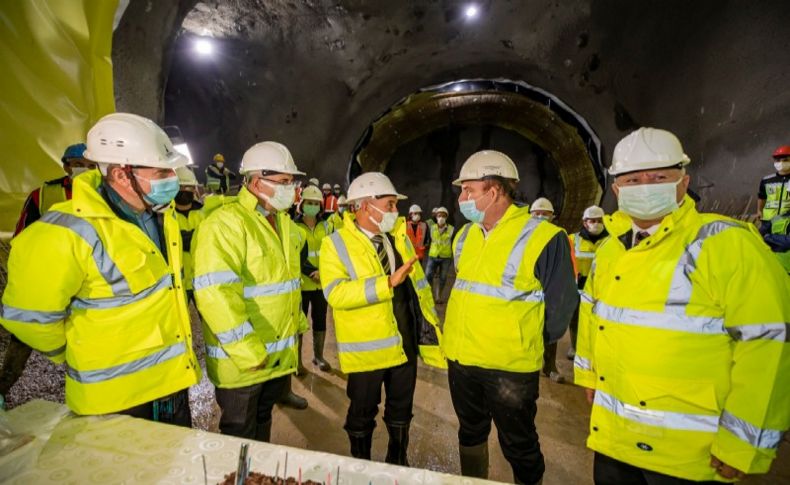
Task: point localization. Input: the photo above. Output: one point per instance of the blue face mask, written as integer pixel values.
(471, 212)
(163, 191)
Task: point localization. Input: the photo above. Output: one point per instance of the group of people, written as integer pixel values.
(680, 338)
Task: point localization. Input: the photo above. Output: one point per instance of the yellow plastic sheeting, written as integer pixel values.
(56, 82)
(61, 448)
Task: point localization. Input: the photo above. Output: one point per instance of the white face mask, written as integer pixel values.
(782, 166)
(441, 220)
(415, 218)
(78, 170)
(283, 198)
(594, 228)
(388, 219)
(648, 202)
(220, 164)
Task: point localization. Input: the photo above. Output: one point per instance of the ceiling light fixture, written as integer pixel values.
(471, 11)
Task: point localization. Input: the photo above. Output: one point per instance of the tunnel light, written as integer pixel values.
(183, 149)
(204, 47)
(471, 12)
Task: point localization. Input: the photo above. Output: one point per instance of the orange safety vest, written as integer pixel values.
(418, 238)
(330, 203)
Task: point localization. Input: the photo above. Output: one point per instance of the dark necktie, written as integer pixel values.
(381, 249)
(640, 236)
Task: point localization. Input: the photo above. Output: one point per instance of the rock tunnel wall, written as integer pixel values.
(314, 75)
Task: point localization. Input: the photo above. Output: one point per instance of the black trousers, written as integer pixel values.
(244, 408)
(173, 409)
(608, 471)
(364, 391)
(510, 399)
(315, 298)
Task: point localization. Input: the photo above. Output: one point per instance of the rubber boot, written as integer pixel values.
(474, 460)
(290, 399)
(361, 442)
(263, 432)
(300, 370)
(398, 445)
(318, 351)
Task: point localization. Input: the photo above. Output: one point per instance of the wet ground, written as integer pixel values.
(562, 419)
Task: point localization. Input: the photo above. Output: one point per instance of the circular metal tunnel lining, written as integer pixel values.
(517, 106)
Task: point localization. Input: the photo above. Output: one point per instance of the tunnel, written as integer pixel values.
(410, 89)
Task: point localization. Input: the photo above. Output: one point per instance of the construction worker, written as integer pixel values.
(312, 297)
(384, 314)
(337, 191)
(314, 182)
(514, 284)
(96, 282)
(773, 207)
(218, 176)
(37, 203)
(683, 346)
(543, 210)
(440, 254)
(247, 280)
(330, 201)
(189, 215)
(418, 232)
(336, 220)
(584, 244)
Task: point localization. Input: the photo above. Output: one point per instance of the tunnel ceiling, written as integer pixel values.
(315, 74)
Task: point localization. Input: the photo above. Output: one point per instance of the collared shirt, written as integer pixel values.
(387, 246)
(636, 230)
(147, 221)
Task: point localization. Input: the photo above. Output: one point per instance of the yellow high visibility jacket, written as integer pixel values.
(50, 194)
(187, 225)
(495, 314)
(685, 339)
(441, 241)
(247, 287)
(357, 288)
(91, 289)
(335, 221)
(584, 251)
(313, 239)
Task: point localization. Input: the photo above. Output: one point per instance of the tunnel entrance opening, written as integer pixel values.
(422, 140)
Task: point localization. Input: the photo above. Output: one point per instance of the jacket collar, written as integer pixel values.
(86, 199)
(620, 223)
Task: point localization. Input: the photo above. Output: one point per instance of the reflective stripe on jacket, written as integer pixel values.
(90, 289)
(313, 238)
(358, 290)
(685, 339)
(584, 252)
(495, 314)
(247, 287)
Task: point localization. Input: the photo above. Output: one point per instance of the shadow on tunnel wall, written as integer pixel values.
(451, 121)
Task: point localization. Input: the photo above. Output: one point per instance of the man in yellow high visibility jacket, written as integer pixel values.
(97, 283)
(440, 254)
(683, 337)
(189, 215)
(514, 285)
(384, 314)
(584, 244)
(38, 203)
(247, 290)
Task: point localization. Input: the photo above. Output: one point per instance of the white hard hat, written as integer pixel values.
(593, 212)
(433, 211)
(415, 208)
(341, 200)
(312, 193)
(542, 204)
(186, 177)
(647, 149)
(372, 184)
(487, 163)
(269, 156)
(336, 186)
(440, 209)
(128, 139)
(326, 187)
(313, 181)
